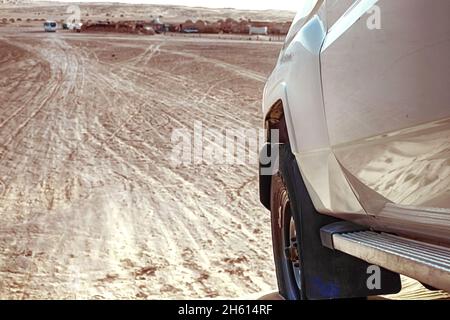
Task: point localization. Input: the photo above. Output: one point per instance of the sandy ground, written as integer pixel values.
(91, 206)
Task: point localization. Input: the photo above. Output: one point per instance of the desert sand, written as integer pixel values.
(118, 11)
(91, 206)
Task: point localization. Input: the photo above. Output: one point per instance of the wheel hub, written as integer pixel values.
(291, 251)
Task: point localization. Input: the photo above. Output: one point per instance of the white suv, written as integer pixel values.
(360, 97)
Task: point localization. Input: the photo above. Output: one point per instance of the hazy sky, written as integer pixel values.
(240, 4)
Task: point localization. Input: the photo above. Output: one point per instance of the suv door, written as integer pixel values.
(387, 104)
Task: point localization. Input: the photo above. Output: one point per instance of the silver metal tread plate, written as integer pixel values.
(427, 263)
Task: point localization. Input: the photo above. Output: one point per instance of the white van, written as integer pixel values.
(77, 27)
(50, 26)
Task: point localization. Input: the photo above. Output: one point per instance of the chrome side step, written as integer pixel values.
(427, 263)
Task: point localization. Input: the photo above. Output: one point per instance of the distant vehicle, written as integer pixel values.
(356, 170)
(190, 30)
(77, 27)
(72, 26)
(50, 26)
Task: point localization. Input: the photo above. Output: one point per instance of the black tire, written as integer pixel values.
(281, 215)
(290, 201)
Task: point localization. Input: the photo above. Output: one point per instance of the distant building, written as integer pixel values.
(157, 25)
(200, 25)
(259, 30)
(187, 25)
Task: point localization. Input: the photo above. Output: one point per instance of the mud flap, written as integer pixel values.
(267, 167)
(328, 274)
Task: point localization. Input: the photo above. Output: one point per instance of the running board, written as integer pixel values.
(427, 263)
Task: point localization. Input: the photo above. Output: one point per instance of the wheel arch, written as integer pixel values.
(277, 118)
